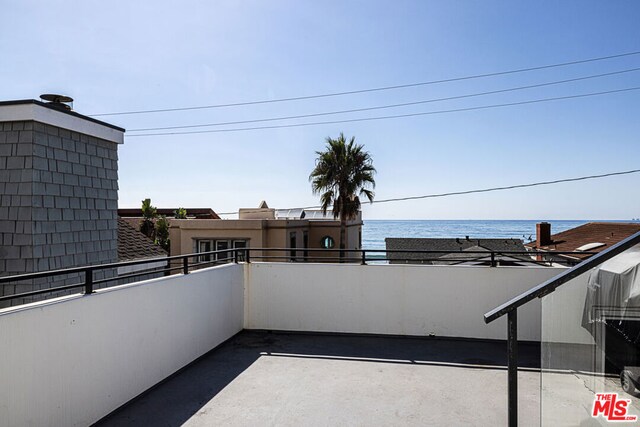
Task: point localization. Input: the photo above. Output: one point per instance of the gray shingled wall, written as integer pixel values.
(58, 201)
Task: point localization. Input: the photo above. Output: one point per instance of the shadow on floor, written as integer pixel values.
(178, 398)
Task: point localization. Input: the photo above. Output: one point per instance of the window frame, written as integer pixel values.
(230, 243)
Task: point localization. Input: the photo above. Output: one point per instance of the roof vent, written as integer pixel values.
(589, 246)
(61, 102)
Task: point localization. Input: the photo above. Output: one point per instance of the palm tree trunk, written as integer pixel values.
(343, 229)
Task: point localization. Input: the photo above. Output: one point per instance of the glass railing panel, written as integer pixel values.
(590, 352)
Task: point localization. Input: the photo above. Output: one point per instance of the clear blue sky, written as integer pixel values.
(126, 55)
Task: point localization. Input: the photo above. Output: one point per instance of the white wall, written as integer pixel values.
(73, 360)
(390, 299)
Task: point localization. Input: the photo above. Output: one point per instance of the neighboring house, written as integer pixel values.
(134, 246)
(458, 251)
(295, 229)
(590, 237)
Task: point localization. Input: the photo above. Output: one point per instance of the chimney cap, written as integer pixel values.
(57, 101)
(52, 97)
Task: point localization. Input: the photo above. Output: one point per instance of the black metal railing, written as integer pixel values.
(89, 283)
(190, 262)
(510, 308)
(414, 256)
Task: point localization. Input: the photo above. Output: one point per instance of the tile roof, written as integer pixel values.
(197, 213)
(452, 245)
(608, 233)
(132, 244)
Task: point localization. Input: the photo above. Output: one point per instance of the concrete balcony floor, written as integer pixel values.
(293, 379)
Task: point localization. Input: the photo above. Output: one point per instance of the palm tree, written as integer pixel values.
(343, 173)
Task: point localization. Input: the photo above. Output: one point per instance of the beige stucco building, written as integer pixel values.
(295, 229)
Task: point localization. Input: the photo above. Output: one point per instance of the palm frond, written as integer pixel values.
(343, 171)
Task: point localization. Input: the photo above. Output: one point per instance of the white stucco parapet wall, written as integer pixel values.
(34, 110)
(71, 361)
(415, 300)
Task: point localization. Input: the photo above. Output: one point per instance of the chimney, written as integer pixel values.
(543, 234)
(32, 131)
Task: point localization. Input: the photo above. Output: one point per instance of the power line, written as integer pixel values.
(509, 187)
(404, 104)
(376, 89)
(484, 190)
(363, 119)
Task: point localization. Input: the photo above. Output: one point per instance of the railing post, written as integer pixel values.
(493, 259)
(235, 256)
(88, 281)
(247, 255)
(364, 258)
(185, 265)
(512, 381)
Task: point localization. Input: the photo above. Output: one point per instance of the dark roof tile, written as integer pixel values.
(451, 245)
(132, 244)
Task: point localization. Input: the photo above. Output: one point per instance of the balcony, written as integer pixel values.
(292, 343)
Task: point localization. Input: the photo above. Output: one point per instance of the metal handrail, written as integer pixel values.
(88, 271)
(421, 251)
(510, 308)
(244, 254)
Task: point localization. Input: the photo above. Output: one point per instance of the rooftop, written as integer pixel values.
(248, 343)
(265, 378)
(132, 244)
(453, 246)
(608, 233)
(197, 213)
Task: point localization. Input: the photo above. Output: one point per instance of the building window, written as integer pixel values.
(240, 244)
(203, 246)
(292, 245)
(207, 245)
(222, 245)
(327, 242)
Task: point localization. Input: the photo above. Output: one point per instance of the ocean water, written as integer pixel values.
(375, 231)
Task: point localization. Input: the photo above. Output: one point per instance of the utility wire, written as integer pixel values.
(363, 119)
(379, 107)
(376, 89)
(484, 190)
(509, 187)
